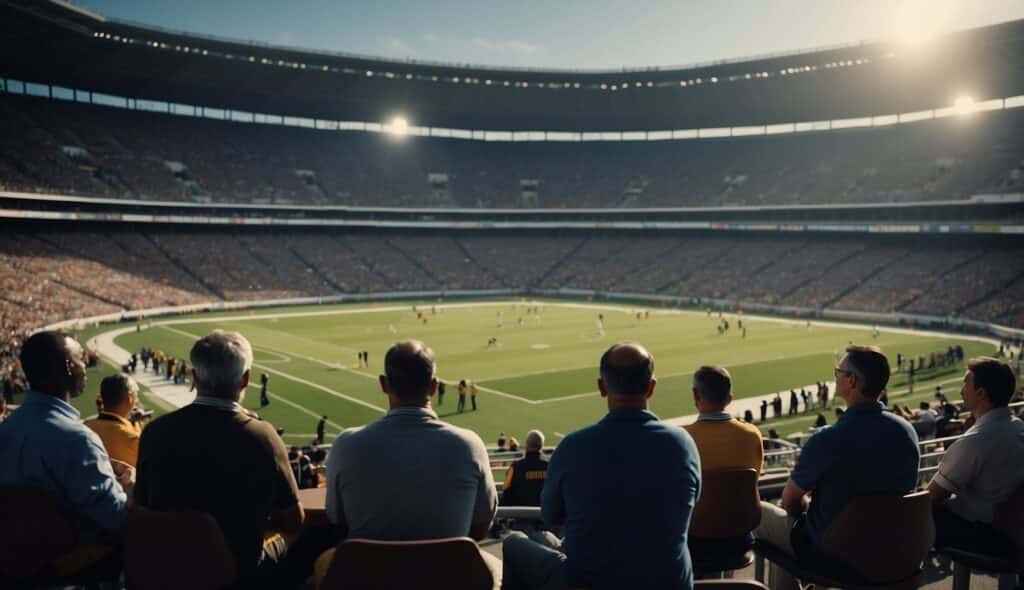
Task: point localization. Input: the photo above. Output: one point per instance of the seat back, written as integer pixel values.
(1009, 519)
(36, 531)
(883, 538)
(453, 564)
(729, 504)
(168, 550)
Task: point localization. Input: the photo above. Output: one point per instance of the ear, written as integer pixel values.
(245, 379)
(384, 383)
(696, 397)
(601, 387)
(650, 388)
(433, 387)
(728, 400)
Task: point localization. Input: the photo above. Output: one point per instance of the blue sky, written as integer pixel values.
(575, 34)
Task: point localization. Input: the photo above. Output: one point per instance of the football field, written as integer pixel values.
(540, 373)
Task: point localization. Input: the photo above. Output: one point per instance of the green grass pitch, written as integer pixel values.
(542, 374)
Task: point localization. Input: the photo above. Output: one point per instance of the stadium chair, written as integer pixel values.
(729, 509)
(36, 534)
(1009, 519)
(170, 550)
(876, 542)
(364, 564)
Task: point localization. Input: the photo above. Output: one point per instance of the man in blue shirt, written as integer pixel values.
(45, 446)
(623, 489)
(867, 452)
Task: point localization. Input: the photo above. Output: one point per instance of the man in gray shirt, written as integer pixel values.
(410, 476)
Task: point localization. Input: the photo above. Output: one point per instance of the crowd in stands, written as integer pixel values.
(72, 148)
(111, 471)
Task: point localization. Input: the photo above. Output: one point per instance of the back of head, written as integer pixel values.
(713, 384)
(46, 360)
(995, 377)
(221, 361)
(627, 369)
(871, 368)
(115, 390)
(409, 370)
(534, 440)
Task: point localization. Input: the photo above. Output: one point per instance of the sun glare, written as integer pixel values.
(964, 105)
(398, 126)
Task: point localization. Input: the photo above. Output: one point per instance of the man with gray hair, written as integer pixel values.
(214, 456)
(409, 476)
(524, 479)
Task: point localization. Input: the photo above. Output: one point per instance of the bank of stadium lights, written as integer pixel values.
(964, 105)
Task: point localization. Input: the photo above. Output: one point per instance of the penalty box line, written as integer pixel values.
(296, 378)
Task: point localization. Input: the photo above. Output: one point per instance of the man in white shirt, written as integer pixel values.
(983, 467)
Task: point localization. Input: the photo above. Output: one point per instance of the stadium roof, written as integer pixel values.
(57, 44)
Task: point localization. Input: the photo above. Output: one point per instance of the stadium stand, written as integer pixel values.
(85, 149)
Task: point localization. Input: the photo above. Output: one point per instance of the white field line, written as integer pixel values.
(354, 400)
(559, 435)
(617, 308)
(298, 407)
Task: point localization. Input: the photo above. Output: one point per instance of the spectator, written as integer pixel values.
(438, 480)
(722, 441)
(924, 421)
(820, 421)
(624, 488)
(45, 446)
(867, 451)
(984, 466)
(215, 457)
(118, 396)
(501, 437)
(524, 479)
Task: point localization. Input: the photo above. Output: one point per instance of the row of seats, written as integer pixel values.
(84, 149)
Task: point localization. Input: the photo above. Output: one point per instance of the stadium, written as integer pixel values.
(759, 214)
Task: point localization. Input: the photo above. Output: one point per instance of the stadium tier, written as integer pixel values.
(69, 148)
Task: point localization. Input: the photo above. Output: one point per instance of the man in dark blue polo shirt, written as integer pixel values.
(623, 488)
(867, 452)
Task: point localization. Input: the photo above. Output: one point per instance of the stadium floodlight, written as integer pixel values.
(398, 126)
(964, 105)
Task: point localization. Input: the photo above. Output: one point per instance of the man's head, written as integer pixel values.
(989, 383)
(54, 364)
(221, 362)
(534, 441)
(119, 393)
(408, 377)
(627, 375)
(924, 406)
(712, 389)
(862, 374)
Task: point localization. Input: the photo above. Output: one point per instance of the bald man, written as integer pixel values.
(438, 481)
(44, 445)
(623, 489)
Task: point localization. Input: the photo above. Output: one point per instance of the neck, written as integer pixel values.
(711, 409)
(395, 402)
(856, 398)
(627, 402)
(981, 410)
(55, 392)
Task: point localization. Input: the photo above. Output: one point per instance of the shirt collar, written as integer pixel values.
(217, 402)
(58, 405)
(714, 417)
(863, 409)
(114, 418)
(412, 411)
(993, 415)
(629, 415)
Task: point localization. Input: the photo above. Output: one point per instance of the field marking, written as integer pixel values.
(298, 407)
(295, 378)
(283, 357)
(559, 435)
(623, 308)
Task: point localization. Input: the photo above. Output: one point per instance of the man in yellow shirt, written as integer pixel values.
(118, 396)
(722, 441)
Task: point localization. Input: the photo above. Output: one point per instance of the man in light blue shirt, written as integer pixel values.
(45, 446)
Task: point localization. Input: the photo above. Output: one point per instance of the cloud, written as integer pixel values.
(506, 46)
